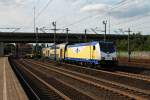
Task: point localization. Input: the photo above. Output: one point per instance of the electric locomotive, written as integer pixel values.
(95, 53)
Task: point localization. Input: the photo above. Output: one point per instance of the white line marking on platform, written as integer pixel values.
(4, 75)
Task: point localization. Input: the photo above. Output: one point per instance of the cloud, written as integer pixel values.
(95, 8)
(12, 3)
(78, 2)
(124, 9)
(13, 13)
(9, 1)
(13, 17)
(135, 8)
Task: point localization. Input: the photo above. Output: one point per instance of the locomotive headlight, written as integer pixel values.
(103, 58)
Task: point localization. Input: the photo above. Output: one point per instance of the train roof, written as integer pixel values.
(89, 43)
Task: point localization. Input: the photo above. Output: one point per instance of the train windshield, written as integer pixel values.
(107, 47)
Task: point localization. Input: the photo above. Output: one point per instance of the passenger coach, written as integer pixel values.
(93, 53)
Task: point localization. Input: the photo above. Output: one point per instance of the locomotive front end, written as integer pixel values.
(108, 53)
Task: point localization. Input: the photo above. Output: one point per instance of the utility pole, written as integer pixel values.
(105, 24)
(11, 49)
(34, 20)
(54, 24)
(36, 40)
(17, 50)
(85, 35)
(129, 51)
(109, 22)
(67, 31)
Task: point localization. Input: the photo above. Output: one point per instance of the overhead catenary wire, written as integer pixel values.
(133, 19)
(120, 4)
(44, 8)
(82, 19)
(40, 12)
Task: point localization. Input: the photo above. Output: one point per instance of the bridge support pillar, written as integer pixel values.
(1, 49)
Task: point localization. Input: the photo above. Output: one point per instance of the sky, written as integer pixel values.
(77, 15)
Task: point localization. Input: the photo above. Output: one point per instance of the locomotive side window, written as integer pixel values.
(48, 53)
(94, 48)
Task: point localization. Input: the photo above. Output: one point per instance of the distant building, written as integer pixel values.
(9, 49)
(24, 48)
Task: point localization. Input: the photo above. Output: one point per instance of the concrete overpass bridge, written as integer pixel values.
(8, 37)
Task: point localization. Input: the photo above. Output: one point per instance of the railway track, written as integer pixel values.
(142, 73)
(140, 63)
(142, 77)
(68, 92)
(32, 95)
(39, 87)
(114, 75)
(121, 90)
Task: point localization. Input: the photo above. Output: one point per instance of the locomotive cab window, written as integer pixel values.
(94, 47)
(107, 47)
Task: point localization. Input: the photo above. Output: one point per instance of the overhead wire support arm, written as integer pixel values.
(11, 28)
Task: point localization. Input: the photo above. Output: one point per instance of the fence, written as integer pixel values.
(135, 54)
